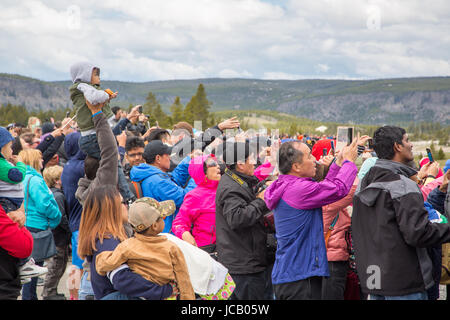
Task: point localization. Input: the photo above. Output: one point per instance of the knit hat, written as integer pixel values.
(47, 127)
(94, 96)
(5, 137)
(145, 211)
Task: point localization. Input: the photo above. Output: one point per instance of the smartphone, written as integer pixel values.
(344, 137)
(430, 155)
(349, 135)
(370, 144)
(140, 109)
(324, 152)
(332, 147)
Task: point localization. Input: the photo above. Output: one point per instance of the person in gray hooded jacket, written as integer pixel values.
(86, 89)
(390, 226)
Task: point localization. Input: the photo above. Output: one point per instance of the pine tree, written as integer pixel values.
(177, 111)
(201, 112)
(432, 148)
(150, 104)
(441, 154)
(189, 111)
(164, 121)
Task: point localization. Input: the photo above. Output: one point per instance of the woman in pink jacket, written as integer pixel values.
(333, 288)
(198, 211)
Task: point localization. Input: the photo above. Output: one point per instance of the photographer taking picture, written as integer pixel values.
(240, 233)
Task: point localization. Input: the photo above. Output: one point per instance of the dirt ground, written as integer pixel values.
(62, 287)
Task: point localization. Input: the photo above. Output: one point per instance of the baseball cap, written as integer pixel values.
(145, 211)
(154, 148)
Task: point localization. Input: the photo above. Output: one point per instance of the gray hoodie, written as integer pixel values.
(82, 72)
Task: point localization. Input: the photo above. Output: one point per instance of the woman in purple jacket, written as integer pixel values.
(297, 201)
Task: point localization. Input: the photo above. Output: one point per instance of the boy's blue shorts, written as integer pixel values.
(76, 260)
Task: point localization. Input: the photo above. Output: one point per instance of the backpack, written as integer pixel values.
(137, 189)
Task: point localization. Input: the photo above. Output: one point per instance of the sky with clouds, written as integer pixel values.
(148, 40)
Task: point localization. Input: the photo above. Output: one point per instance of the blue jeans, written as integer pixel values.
(76, 260)
(29, 289)
(412, 296)
(116, 295)
(89, 145)
(85, 287)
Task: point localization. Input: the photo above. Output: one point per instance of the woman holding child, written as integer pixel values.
(101, 229)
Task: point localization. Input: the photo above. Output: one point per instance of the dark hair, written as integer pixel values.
(288, 155)
(384, 139)
(16, 146)
(96, 71)
(157, 134)
(236, 152)
(91, 165)
(134, 142)
(115, 109)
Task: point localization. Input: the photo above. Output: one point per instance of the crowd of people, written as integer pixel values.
(139, 212)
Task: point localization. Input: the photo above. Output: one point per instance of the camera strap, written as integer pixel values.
(235, 177)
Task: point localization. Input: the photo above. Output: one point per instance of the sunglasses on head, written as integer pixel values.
(211, 163)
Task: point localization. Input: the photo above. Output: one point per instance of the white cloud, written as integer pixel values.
(174, 39)
(228, 73)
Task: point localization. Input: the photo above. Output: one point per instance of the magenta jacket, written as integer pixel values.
(199, 207)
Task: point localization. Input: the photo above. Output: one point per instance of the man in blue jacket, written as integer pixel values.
(157, 182)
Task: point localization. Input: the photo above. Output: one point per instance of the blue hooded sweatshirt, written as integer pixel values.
(163, 186)
(42, 211)
(72, 172)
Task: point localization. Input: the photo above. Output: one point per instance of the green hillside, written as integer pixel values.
(382, 101)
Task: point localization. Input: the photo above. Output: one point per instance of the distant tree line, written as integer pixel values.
(19, 114)
(198, 109)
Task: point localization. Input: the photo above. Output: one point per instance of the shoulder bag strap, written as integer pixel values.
(330, 228)
(26, 196)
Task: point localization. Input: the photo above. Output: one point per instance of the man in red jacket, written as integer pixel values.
(16, 243)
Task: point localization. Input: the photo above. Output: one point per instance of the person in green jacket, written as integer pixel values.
(87, 73)
(12, 174)
(86, 87)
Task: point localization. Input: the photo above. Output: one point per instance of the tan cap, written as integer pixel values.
(145, 211)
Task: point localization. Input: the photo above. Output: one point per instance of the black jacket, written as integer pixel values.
(240, 234)
(391, 231)
(61, 233)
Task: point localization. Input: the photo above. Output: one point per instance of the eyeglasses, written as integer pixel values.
(134, 155)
